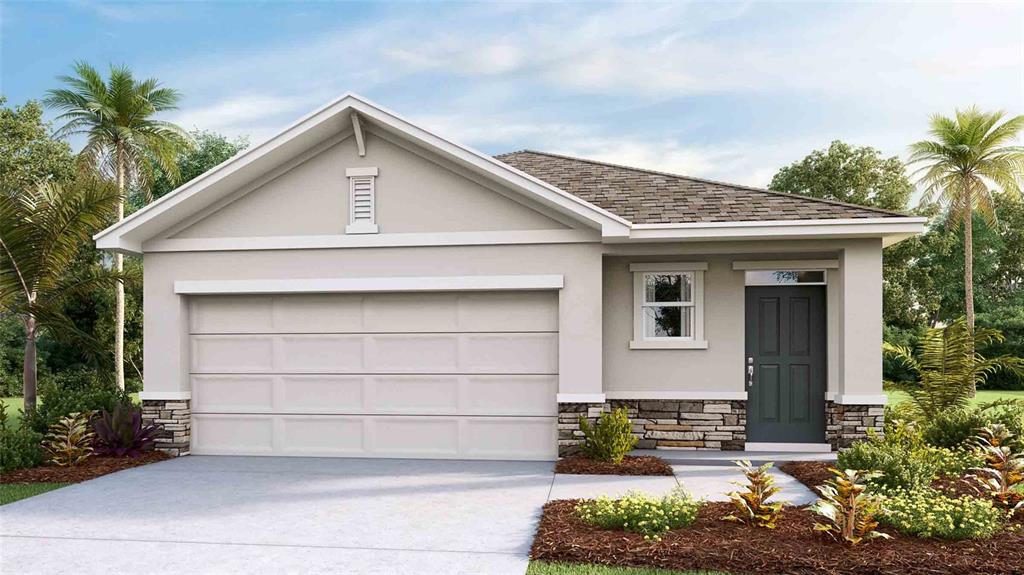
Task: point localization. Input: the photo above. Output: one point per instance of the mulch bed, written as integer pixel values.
(89, 469)
(810, 473)
(631, 465)
(792, 548)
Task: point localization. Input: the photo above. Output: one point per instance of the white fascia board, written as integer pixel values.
(378, 284)
(580, 398)
(671, 395)
(895, 228)
(129, 234)
(342, 241)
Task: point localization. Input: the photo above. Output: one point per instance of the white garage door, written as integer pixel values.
(427, 375)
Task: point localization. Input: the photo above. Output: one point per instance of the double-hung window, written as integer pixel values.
(668, 305)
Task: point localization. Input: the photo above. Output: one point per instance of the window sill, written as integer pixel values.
(667, 344)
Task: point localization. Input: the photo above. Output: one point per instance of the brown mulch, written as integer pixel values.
(810, 473)
(631, 465)
(89, 469)
(792, 548)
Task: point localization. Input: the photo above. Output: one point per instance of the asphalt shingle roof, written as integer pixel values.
(650, 197)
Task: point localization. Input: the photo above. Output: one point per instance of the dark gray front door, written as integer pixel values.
(786, 342)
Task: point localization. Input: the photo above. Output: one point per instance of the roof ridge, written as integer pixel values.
(704, 180)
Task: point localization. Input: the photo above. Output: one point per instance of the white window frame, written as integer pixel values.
(640, 273)
(824, 277)
(361, 226)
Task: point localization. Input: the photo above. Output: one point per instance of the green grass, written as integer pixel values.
(16, 404)
(984, 396)
(545, 568)
(10, 492)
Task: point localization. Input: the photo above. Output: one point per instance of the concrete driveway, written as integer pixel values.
(221, 515)
(283, 515)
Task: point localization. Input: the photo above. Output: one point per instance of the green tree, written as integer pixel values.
(41, 230)
(28, 155)
(208, 150)
(968, 161)
(856, 175)
(117, 117)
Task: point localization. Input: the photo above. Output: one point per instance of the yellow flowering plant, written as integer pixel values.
(641, 513)
(929, 513)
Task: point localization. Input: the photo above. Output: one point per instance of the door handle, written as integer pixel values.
(750, 372)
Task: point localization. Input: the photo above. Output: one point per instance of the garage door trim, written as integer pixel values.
(373, 284)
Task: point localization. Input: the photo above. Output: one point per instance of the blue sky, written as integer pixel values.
(730, 91)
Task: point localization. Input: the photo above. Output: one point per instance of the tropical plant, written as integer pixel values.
(967, 161)
(122, 136)
(852, 513)
(610, 438)
(897, 459)
(41, 230)
(751, 505)
(19, 445)
(958, 428)
(60, 395)
(929, 513)
(122, 433)
(641, 513)
(69, 441)
(949, 367)
(1003, 472)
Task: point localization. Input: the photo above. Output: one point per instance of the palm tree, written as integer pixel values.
(970, 159)
(122, 138)
(41, 232)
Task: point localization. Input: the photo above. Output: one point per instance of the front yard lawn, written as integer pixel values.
(545, 568)
(984, 396)
(11, 492)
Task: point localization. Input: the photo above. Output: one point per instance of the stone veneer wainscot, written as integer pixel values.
(174, 417)
(846, 424)
(714, 424)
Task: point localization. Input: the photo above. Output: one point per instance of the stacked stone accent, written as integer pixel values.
(663, 424)
(847, 424)
(175, 420)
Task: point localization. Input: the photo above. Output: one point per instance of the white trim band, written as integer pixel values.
(668, 343)
(762, 265)
(580, 398)
(682, 395)
(165, 395)
(669, 267)
(383, 284)
(845, 399)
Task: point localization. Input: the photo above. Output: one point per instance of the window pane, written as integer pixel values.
(665, 288)
(785, 277)
(667, 321)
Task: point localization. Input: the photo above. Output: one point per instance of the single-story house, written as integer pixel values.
(358, 286)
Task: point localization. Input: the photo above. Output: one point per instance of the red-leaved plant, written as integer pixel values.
(122, 434)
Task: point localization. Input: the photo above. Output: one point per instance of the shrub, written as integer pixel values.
(752, 507)
(641, 513)
(69, 441)
(122, 433)
(610, 439)
(958, 427)
(901, 458)
(1003, 470)
(19, 446)
(850, 510)
(929, 513)
(73, 392)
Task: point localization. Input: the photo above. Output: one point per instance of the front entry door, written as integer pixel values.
(785, 364)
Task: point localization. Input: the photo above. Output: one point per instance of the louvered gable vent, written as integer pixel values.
(362, 201)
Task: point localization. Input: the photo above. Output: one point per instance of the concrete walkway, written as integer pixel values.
(253, 515)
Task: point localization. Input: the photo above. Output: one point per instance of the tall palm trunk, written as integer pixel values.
(119, 289)
(28, 374)
(969, 269)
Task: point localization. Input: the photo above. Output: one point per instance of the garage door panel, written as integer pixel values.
(506, 438)
(414, 394)
(314, 435)
(320, 393)
(529, 311)
(321, 353)
(415, 436)
(509, 395)
(231, 434)
(232, 354)
(510, 353)
(250, 393)
(393, 313)
(318, 313)
(414, 353)
(231, 314)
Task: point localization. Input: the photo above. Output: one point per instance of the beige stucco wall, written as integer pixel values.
(579, 341)
(413, 194)
(854, 317)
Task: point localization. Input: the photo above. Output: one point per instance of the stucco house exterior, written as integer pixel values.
(358, 286)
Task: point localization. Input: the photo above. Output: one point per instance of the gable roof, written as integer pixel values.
(650, 197)
(243, 172)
